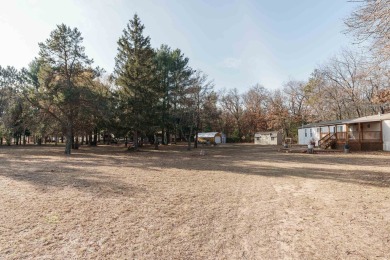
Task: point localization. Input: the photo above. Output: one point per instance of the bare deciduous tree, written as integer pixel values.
(255, 114)
(232, 103)
(371, 22)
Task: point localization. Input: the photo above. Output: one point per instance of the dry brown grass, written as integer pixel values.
(236, 202)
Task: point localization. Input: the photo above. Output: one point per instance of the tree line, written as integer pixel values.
(155, 92)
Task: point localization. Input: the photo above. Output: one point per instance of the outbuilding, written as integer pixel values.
(268, 138)
(212, 137)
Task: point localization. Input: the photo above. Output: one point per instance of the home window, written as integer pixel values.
(368, 126)
(305, 132)
(272, 138)
(311, 132)
(257, 138)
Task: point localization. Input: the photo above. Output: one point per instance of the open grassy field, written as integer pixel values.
(235, 202)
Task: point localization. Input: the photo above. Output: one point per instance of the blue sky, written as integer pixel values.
(237, 43)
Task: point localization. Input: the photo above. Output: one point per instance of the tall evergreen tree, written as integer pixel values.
(181, 73)
(64, 79)
(164, 62)
(11, 104)
(174, 75)
(135, 73)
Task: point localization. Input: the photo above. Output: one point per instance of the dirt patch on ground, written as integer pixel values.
(234, 202)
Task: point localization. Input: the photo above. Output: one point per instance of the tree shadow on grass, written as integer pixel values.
(41, 166)
(44, 172)
(267, 161)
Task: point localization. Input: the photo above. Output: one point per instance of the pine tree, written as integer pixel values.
(61, 81)
(174, 76)
(135, 73)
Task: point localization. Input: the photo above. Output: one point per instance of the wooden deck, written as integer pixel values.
(358, 141)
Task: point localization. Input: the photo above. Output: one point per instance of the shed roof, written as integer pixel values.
(266, 133)
(208, 134)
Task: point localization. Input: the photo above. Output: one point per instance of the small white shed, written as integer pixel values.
(212, 137)
(268, 138)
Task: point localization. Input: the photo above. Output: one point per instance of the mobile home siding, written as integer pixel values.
(386, 135)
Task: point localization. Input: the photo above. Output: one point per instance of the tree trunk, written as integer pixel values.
(175, 130)
(155, 142)
(73, 141)
(168, 134)
(69, 137)
(196, 139)
(189, 140)
(95, 137)
(135, 142)
(163, 135)
(90, 139)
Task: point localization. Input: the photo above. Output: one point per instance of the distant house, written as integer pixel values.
(268, 138)
(364, 133)
(212, 137)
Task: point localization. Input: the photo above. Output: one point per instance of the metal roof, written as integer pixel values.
(207, 135)
(325, 123)
(266, 133)
(373, 118)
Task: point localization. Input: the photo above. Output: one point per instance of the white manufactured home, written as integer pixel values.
(315, 131)
(363, 133)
